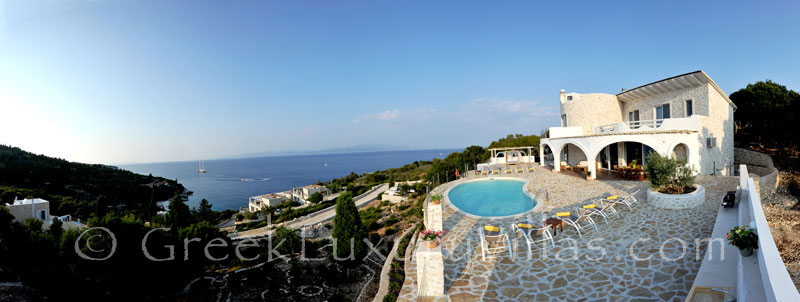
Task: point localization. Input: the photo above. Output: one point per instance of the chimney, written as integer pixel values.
(562, 96)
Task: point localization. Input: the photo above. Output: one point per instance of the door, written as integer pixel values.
(613, 153)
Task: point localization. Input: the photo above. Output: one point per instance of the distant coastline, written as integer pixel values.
(222, 185)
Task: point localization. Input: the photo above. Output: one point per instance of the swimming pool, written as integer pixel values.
(491, 197)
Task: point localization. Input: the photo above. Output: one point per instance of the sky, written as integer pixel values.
(145, 81)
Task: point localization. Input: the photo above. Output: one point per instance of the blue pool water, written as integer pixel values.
(497, 197)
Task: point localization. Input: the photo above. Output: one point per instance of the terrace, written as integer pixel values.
(631, 269)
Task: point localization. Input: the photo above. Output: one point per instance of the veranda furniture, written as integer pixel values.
(577, 221)
(553, 223)
(600, 208)
(532, 234)
(565, 166)
(494, 235)
(530, 168)
(520, 170)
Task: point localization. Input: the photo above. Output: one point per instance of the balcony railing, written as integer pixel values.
(687, 123)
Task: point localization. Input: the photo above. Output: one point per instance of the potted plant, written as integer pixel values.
(743, 238)
(436, 199)
(589, 175)
(432, 238)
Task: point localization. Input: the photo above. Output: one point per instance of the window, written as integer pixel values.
(662, 112)
(633, 119)
(569, 98)
(689, 109)
(563, 120)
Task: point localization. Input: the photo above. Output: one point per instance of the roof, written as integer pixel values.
(29, 201)
(686, 80)
(513, 148)
(314, 186)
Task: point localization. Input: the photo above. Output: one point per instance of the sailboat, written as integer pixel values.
(201, 167)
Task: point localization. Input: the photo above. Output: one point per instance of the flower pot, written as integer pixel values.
(746, 252)
(431, 244)
(435, 202)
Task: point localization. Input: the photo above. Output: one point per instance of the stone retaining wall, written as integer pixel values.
(761, 164)
(677, 201)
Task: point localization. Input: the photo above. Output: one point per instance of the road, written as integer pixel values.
(321, 216)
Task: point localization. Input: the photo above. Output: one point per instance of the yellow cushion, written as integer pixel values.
(560, 214)
(525, 225)
(612, 197)
(491, 228)
(589, 206)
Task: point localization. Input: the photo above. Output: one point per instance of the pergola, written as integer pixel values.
(513, 152)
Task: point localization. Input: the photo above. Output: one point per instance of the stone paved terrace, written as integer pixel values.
(617, 276)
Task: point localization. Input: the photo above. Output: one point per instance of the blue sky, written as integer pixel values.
(140, 81)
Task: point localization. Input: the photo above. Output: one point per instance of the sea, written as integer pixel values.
(228, 183)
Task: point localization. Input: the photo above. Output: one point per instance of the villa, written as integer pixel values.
(687, 116)
(304, 193)
(37, 208)
(519, 233)
(258, 203)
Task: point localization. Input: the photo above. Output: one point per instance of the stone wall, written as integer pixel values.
(676, 99)
(761, 165)
(591, 110)
(718, 124)
(22, 212)
(677, 201)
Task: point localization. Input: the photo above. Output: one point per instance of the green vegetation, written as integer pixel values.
(348, 232)
(517, 140)
(398, 275)
(315, 198)
(766, 111)
(668, 175)
(80, 189)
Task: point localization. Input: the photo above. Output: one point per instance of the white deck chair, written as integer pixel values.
(519, 169)
(602, 209)
(577, 221)
(532, 234)
(530, 168)
(494, 237)
(628, 200)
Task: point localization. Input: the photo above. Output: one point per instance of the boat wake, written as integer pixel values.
(246, 179)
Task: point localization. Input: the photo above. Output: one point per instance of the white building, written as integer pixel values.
(258, 203)
(38, 208)
(305, 192)
(686, 116)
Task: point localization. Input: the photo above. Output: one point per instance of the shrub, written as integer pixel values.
(315, 198)
(374, 238)
(389, 231)
(667, 175)
(239, 217)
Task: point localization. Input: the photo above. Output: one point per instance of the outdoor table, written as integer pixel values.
(555, 222)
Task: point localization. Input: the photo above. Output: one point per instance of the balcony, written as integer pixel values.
(687, 123)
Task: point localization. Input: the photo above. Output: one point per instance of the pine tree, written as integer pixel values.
(346, 227)
(204, 212)
(179, 214)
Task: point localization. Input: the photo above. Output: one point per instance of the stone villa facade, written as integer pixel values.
(686, 116)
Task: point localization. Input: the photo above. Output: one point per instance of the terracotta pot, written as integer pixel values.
(431, 244)
(436, 202)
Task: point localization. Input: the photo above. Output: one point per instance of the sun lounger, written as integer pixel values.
(577, 221)
(494, 235)
(602, 209)
(532, 234)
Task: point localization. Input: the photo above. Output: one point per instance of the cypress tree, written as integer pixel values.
(346, 227)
